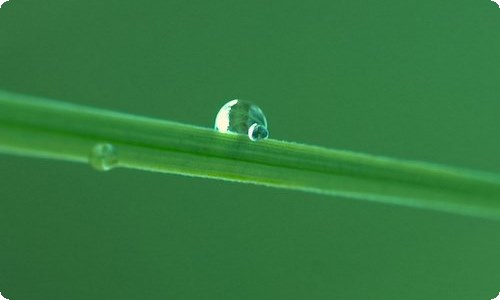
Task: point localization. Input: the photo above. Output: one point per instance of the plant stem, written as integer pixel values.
(37, 127)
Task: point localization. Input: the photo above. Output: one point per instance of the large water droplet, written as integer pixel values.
(242, 117)
(103, 157)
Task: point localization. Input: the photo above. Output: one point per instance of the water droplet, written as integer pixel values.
(103, 157)
(242, 117)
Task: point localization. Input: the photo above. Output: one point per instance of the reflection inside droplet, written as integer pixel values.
(257, 132)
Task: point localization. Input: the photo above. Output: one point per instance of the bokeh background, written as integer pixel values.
(416, 80)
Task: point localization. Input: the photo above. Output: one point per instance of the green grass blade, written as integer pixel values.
(38, 127)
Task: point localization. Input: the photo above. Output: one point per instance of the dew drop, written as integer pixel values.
(242, 117)
(103, 157)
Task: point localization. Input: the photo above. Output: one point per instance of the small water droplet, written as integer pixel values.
(242, 117)
(103, 157)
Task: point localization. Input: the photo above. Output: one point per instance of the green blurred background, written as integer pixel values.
(416, 80)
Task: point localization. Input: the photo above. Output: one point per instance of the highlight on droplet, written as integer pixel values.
(2, 297)
(1, 3)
